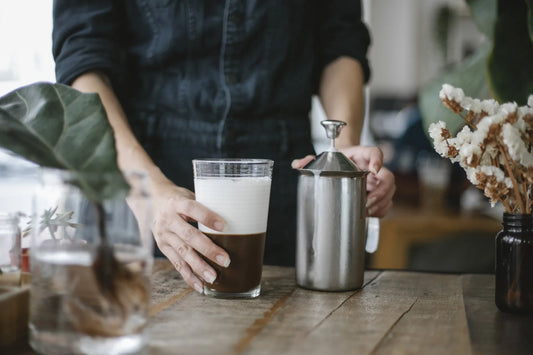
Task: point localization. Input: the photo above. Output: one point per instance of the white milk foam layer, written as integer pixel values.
(242, 202)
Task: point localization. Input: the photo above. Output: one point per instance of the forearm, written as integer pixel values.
(131, 155)
(342, 94)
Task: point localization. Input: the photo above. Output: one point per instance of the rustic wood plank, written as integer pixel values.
(395, 313)
(398, 313)
(492, 331)
(198, 324)
(14, 312)
(303, 312)
(203, 325)
(168, 286)
(435, 323)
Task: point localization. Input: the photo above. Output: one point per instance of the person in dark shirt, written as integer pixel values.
(211, 79)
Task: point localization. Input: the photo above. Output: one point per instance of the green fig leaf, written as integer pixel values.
(530, 18)
(56, 126)
(510, 64)
(484, 13)
(470, 76)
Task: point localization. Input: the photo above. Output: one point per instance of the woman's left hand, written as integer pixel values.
(380, 182)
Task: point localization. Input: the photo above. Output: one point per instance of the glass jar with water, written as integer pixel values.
(90, 267)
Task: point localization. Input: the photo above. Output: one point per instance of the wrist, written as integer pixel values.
(347, 139)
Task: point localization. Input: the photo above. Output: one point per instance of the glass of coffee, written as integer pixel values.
(239, 191)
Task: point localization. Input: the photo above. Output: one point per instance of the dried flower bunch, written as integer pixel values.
(494, 147)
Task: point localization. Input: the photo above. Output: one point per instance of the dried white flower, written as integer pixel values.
(523, 125)
(508, 108)
(471, 104)
(508, 182)
(442, 149)
(451, 93)
(483, 127)
(471, 175)
(491, 153)
(469, 152)
(495, 147)
(490, 107)
(516, 146)
(435, 131)
(463, 136)
(525, 111)
(498, 173)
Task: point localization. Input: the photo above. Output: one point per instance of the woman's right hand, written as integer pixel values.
(174, 206)
(181, 243)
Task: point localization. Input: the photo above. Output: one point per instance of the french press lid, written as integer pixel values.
(332, 162)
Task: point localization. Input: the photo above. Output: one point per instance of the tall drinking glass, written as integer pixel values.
(90, 268)
(239, 191)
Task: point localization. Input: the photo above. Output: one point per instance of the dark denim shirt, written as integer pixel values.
(215, 78)
(208, 60)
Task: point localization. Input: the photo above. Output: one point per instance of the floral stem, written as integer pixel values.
(516, 186)
(506, 205)
(526, 197)
(528, 200)
(472, 126)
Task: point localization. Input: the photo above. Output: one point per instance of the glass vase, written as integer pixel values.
(90, 266)
(514, 264)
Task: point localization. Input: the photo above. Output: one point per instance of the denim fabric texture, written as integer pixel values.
(201, 79)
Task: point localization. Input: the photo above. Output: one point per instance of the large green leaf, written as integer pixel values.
(530, 18)
(470, 76)
(484, 14)
(56, 126)
(510, 64)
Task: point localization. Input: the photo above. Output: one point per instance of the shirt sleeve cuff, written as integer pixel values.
(80, 60)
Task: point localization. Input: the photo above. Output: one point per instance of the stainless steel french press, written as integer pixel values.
(331, 220)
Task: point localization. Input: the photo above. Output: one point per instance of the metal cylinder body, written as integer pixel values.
(330, 247)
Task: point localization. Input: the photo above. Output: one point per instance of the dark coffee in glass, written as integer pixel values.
(239, 191)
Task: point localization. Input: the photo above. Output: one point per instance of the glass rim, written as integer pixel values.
(251, 161)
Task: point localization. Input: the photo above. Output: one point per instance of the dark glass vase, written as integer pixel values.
(514, 264)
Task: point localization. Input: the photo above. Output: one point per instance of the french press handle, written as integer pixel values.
(333, 129)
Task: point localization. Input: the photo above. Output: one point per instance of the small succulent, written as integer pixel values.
(52, 220)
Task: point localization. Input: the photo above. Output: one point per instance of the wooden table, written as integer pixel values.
(396, 312)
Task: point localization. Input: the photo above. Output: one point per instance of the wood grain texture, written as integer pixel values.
(396, 312)
(14, 311)
(492, 331)
(434, 322)
(302, 314)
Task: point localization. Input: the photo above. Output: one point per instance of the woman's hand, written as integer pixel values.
(174, 206)
(181, 243)
(380, 182)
